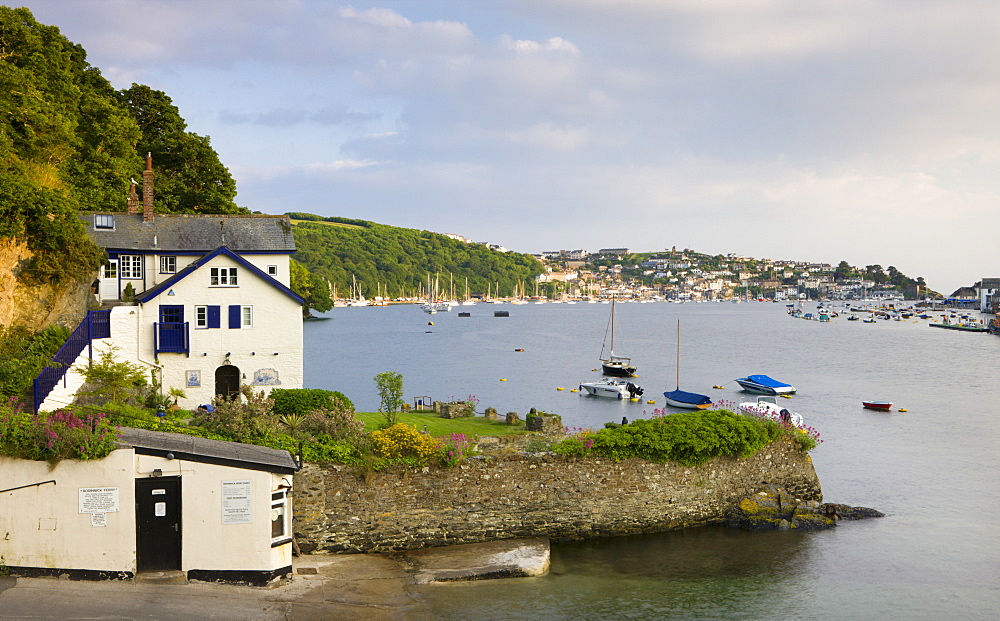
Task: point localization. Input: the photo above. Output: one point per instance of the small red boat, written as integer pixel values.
(884, 406)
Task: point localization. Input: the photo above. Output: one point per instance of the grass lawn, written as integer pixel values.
(437, 426)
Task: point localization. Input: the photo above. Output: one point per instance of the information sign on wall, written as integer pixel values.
(236, 502)
(98, 499)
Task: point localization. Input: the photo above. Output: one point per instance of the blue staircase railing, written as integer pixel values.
(96, 325)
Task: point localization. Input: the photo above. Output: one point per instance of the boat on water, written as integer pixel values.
(966, 325)
(615, 365)
(679, 398)
(609, 387)
(767, 407)
(764, 385)
(883, 406)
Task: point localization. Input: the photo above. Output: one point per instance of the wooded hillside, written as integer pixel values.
(396, 262)
(69, 142)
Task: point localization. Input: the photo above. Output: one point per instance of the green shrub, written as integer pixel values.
(303, 400)
(246, 418)
(24, 354)
(687, 438)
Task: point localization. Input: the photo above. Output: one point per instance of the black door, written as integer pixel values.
(227, 381)
(158, 521)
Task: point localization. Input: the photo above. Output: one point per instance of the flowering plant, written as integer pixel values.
(62, 434)
(455, 448)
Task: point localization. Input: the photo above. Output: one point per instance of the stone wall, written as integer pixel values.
(341, 510)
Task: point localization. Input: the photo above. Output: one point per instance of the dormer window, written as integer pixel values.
(104, 221)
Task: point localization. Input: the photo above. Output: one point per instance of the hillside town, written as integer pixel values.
(687, 275)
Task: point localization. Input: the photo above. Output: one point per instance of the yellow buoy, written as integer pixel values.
(560, 388)
(651, 401)
(573, 390)
(430, 323)
(503, 379)
(633, 399)
(593, 369)
(902, 409)
(719, 387)
(785, 396)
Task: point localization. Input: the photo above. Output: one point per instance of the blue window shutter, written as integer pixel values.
(234, 315)
(214, 319)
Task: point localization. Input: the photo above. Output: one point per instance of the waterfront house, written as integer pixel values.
(202, 301)
(989, 295)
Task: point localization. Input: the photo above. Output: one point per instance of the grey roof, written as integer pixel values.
(193, 233)
(193, 448)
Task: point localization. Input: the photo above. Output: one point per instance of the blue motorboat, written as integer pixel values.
(764, 385)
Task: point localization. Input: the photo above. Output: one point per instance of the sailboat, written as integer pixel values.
(615, 365)
(678, 398)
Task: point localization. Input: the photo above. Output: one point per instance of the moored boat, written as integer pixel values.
(608, 387)
(615, 365)
(679, 398)
(765, 385)
(687, 400)
(767, 407)
(883, 406)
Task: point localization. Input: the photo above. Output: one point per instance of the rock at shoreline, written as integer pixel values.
(773, 510)
(511, 558)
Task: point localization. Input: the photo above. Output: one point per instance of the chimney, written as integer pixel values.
(147, 190)
(133, 199)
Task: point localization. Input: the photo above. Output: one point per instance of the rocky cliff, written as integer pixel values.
(37, 307)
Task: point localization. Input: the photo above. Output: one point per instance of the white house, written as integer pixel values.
(203, 301)
(162, 502)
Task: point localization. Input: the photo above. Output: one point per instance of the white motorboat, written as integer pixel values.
(615, 388)
(767, 407)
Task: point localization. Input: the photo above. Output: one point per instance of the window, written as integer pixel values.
(279, 516)
(168, 265)
(206, 317)
(272, 270)
(111, 270)
(130, 265)
(223, 277)
(240, 316)
(104, 221)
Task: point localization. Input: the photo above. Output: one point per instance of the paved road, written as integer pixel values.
(344, 587)
(329, 588)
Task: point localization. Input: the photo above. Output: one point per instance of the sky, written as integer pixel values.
(858, 130)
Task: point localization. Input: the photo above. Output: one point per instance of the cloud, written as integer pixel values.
(334, 114)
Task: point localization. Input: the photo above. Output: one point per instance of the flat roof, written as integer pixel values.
(219, 452)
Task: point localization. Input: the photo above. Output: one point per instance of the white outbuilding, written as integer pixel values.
(161, 503)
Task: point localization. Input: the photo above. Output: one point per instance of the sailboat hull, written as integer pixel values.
(617, 370)
(687, 400)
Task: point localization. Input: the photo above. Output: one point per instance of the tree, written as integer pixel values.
(390, 391)
(313, 289)
(189, 176)
(844, 271)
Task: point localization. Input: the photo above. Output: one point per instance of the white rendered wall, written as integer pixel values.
(206, 542)
(41, 526)
(277, 329)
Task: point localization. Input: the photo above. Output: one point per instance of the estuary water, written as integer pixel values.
(932, 469)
